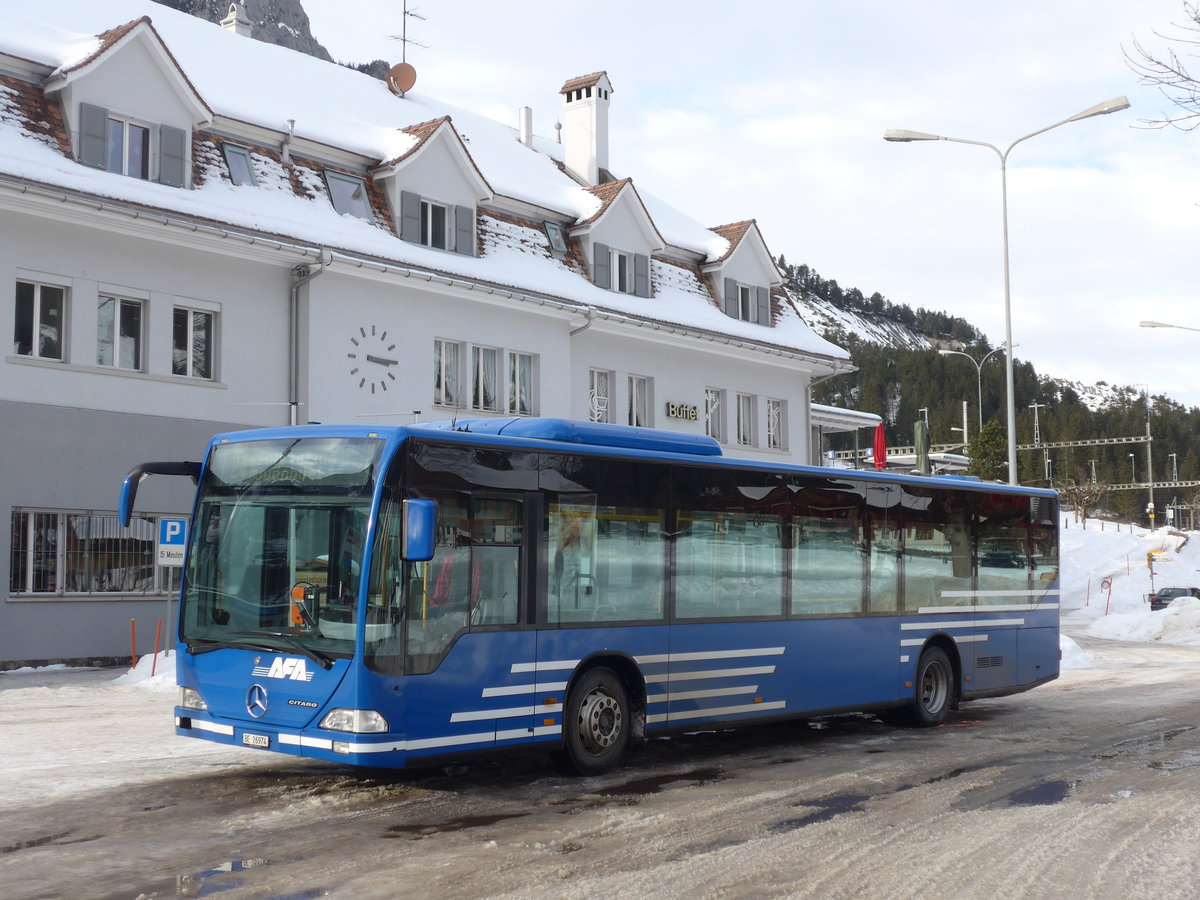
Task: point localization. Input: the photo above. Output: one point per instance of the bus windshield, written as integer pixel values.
(277, 549)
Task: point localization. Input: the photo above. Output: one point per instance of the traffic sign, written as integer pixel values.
(172, 541)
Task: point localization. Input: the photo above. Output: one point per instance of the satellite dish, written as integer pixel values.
(401, 77)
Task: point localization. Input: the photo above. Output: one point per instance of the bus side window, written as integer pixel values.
(439, 591)
(496, 535)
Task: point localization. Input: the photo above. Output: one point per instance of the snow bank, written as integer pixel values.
(152, 673)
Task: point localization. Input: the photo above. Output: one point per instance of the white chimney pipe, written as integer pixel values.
(525, 117)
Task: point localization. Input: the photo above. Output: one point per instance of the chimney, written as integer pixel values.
(525, 117)
(237, 21)
(585, 123)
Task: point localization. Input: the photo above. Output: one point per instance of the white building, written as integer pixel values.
(193, 246)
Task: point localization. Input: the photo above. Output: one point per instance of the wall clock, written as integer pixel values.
(372, 359)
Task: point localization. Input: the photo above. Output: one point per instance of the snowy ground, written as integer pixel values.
(92, 736)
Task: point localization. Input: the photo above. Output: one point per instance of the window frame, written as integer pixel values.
(164, 579)
(746, 407)
(36, 314)
(776, 424)
(348, 205)
(119, 301)
(150, 148)
(714, 413)
(518, 362)
(189, 368)
(557, 237)
(429, 230)
(483, 360)
(231, 151)
(447, 373)
(600, 402)
(641, 401)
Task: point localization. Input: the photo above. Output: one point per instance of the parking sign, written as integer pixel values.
(172, 539)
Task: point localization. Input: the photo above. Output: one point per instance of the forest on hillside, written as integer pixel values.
(903, 385)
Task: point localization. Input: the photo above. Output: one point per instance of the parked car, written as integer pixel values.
(1162, 598)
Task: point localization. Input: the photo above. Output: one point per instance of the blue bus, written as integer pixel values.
(389, 596)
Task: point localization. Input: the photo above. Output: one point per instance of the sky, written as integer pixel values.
(776, 111)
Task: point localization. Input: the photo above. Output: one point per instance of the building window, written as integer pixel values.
(599, 395)
(558, 240)
(520, 384)
(714, 413)
(241, 170)
(435, 225)
(622, 272)
(446, 355)
(639, 401)
(56, 553)
(128, 148)
(776, 424)
(192, 343)
(119, 333)
(745, 419)
(40, 317)
(750, 303)
(483, 378)
(348, 193)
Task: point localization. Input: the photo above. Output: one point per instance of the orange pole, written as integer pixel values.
(133, 643)
(157, 636)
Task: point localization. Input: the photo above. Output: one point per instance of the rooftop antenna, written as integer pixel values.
(402, 76)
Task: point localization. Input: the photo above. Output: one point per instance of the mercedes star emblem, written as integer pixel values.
(256, 701)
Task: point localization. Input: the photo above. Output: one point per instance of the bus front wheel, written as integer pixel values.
(595, 723)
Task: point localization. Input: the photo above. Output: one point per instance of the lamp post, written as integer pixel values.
(902, 135)
(1166, 325)
(978, 373)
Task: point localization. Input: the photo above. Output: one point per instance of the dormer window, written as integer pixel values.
(348, 193)
(439, 225)
(435, 225)
(621, 271)
(750, 303)
(126, 146)
(237, 158)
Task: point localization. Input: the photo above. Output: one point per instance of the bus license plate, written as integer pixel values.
(256, 740)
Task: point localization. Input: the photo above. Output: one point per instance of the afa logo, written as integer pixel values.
(285, 667)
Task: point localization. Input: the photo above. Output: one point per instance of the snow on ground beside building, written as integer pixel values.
(96, 729)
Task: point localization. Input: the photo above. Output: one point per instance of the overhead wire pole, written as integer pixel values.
(903, 136)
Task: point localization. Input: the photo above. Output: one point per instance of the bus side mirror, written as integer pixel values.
(137, 473)
(419, 529)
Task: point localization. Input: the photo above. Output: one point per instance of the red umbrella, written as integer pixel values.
(880, 447)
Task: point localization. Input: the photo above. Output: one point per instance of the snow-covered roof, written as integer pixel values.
(354, 115)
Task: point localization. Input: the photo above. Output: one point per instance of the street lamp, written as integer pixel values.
(903, 136)
(978, 374)
(1166, 325)
(1132, 470)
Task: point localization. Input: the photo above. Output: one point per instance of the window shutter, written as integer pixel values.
(410, 217)
(602, 266)
(93, 137)
(763, 297)
(464, 230)
(172, 155)
(641, 275)
(731, 298)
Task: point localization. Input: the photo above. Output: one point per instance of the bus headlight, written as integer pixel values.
(358, 721)
(189, 698)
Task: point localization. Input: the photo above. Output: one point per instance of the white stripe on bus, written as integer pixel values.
(708, 654)
(510, 690)
(920, 626)
(700, 695)
(544, 666)
(478, 715)
(1006, 608)
(205, 725)
(710, 673)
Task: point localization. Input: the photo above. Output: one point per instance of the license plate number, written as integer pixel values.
(256, 740)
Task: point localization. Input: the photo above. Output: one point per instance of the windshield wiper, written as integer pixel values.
(202, 645)
(325, 662)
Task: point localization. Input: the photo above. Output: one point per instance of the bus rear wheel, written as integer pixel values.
(595, 724)
(934, 688)
(933, 693)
